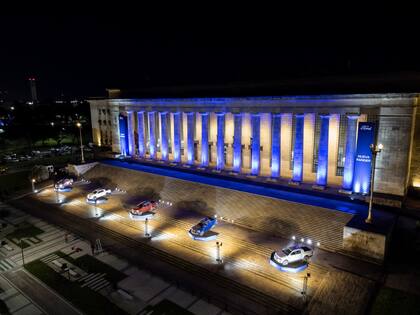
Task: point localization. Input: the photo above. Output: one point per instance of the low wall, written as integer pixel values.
(368, 241)
(81, 168)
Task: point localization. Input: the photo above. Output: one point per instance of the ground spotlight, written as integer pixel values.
(294, 238)
(317, 244)
(309, 241)
(302, 240)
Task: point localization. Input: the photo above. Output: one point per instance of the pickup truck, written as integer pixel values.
(98, 193)
(292, 254)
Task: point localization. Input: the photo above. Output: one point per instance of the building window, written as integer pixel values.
(341, 154)
(317, 132)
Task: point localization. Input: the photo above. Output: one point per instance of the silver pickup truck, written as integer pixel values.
(293, 253)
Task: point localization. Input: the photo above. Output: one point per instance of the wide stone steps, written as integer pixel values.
(283, 279)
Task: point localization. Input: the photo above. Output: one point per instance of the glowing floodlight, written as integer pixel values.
(317, 244)
(215, 215)
(294, 238)
(309, 241)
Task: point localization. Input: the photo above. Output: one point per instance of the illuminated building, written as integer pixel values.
(298, 139)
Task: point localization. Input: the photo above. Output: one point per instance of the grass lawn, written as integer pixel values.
(25, 230)
(14, 181)
(166, 307)
(93, 265)
(88, 301)
(391, 301)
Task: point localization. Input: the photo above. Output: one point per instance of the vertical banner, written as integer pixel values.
(123, 135)
(363, 160)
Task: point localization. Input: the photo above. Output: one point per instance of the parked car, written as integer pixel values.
(203, 226)
(98, 193)
(143, 210)
(292, 254)
(64, 183)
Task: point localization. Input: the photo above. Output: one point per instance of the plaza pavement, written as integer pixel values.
(245, 251)
(24, 294)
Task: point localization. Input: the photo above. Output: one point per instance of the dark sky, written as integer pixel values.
(82, 55)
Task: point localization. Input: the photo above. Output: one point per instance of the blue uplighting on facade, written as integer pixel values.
(322, 170)
(130, 133)
(164, 135)
(255, 144)
(220, 162)
(204, 139)
(298, 149)
(275, 145)
(152, 134)
(177, 136)
(350, 152)
(237, 142)
(123, 134)
(140, 128)
(190, 137)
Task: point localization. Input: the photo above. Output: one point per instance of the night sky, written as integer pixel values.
(80, 56)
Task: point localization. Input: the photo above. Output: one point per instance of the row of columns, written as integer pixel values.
(297, 174)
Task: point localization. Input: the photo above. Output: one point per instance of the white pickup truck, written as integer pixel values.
(98, 193)
(292, 254)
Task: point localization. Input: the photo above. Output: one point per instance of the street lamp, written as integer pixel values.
(375, 149)
(79, 125)
(218, 257)
(33, 184)
(146, 228)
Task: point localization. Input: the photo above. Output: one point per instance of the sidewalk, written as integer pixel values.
(51, 302)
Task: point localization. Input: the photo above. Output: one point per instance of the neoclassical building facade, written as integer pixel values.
(309, 139)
